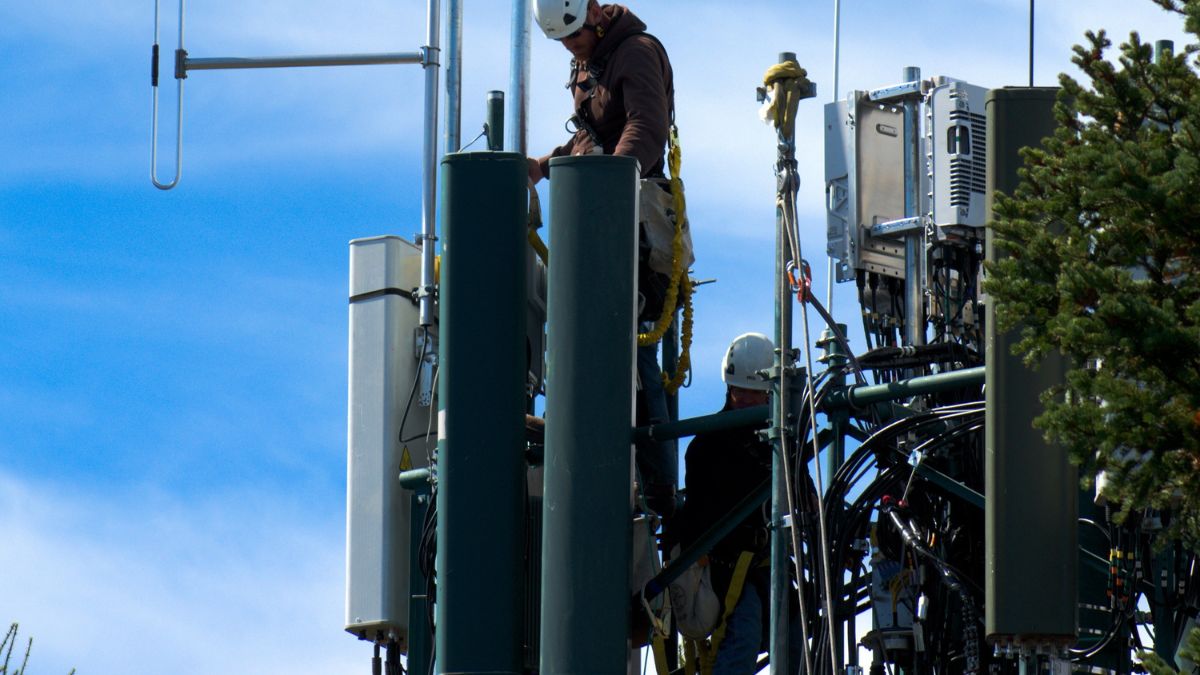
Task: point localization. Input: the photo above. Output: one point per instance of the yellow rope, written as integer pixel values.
(659, 646)
(789, 83)
(535, 222)
(684, 363)
(539, 246)
(679, 281)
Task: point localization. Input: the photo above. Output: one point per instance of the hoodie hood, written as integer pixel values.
(618, 23)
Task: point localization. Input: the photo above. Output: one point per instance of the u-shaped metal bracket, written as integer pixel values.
(180, 75)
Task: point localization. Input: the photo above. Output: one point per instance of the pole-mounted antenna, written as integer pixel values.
(179, 77)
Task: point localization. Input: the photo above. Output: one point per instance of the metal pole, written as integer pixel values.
(239, 63)
(429, 155)
(1163, 49)
(914, 245)
(518, 78)
(837, 56)
(780, 584)
(1031, 42)
(835, 358)
(481, 468)
(495, 120)
(454, 76)
(587, 507)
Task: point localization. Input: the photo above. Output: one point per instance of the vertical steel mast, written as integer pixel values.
(914, 240)
(429, 155)
(780, 585)
(518, 79)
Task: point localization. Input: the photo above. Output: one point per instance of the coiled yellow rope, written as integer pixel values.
(684, 364)
(679, 281)
(679, 285)
(789, 83)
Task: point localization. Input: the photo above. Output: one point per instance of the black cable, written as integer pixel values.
(857, 517)
(426, 559)
(953, 578)
(429, 426)
(839, 336)
(845, 524)
(413, 391)
(1078, 655)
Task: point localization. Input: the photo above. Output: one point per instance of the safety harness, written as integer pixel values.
(700, 656)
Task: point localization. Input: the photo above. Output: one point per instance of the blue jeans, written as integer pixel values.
(745, 631)
(656, 463)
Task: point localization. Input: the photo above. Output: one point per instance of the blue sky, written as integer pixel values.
(173, 365)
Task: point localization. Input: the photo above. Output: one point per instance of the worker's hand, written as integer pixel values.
(535, 171)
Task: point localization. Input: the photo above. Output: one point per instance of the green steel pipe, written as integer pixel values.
(758, 416)
(480, 466)
(495, 120)
(780, 584)
(952, 486)
(587, 507)
(749, 504)
(835, 357)
(416, 480)
(861, 395)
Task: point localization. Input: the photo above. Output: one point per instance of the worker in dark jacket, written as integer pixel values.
(723, 468)
(621, 81)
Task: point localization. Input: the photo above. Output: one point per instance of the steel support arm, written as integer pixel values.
(704, 544)
(859, 396)
(237, 63)
(729, 419)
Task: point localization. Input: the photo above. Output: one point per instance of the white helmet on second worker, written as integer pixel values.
(747, 355)
(560, 18)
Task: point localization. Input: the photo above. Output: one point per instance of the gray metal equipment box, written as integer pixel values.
(864, 184)
(956, 132)
(864, 171)
(388, 365)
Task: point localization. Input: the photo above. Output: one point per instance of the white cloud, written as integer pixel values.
(237, 583)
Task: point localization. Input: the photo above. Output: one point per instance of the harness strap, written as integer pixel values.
(595, 69)
(659, 646)
(736, 585)
(691, 654)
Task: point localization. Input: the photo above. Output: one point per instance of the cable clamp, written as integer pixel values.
(429, 56)
(181, 64)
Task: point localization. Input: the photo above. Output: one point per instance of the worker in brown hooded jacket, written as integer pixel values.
(623, 90)
(621, 80)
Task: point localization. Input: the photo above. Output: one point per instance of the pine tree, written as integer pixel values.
(1103, 239)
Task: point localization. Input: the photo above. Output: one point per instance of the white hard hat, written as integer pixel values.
(560, 18)
(747, 355)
